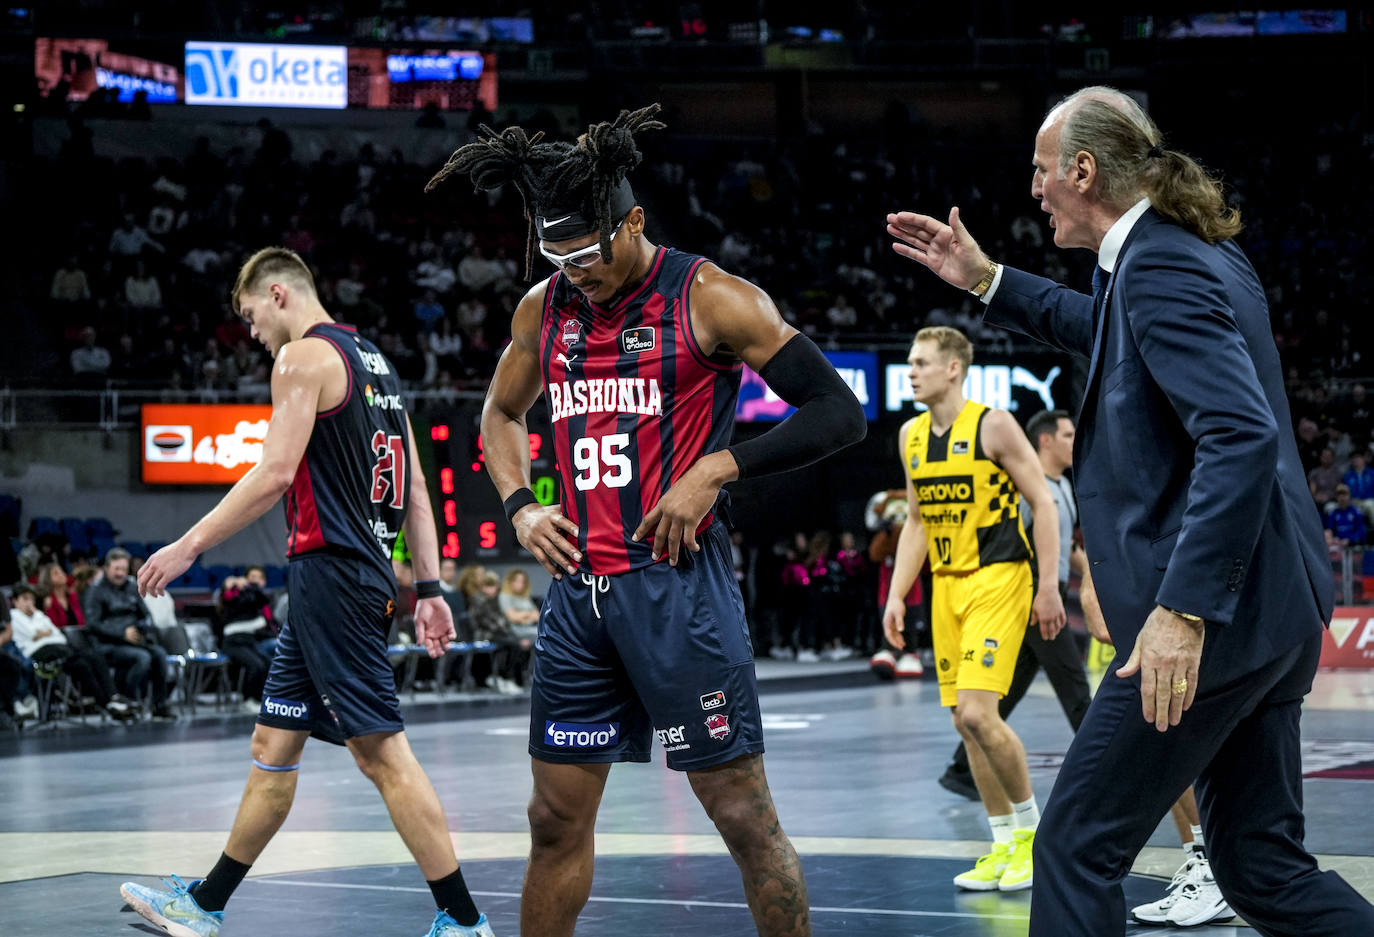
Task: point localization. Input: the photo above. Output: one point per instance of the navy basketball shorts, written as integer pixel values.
(659, 651)
(330, 675)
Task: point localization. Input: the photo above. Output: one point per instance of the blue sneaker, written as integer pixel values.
(445, 926)
(174, 911)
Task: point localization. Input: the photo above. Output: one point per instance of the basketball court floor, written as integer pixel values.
(853, 766)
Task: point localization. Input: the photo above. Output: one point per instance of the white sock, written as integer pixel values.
(1027, 814)
(1197, 845)
(1002, 828)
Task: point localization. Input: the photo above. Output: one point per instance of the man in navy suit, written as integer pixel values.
(1204, 544)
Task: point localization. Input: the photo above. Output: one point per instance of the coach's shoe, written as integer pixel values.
(1200, 901)
(174, 911)
(909, 667)
(1157, 912)
(1018, 874)
(988, 870)
(445, 926)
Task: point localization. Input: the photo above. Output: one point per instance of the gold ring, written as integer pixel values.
(1180, 686)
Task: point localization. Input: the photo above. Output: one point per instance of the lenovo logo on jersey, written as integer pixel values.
(713, 700)
(374, 362)
(949, 489)
(633, 341)
(581, 735)
(271, 706)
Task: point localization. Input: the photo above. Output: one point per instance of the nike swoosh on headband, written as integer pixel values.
(550, 222)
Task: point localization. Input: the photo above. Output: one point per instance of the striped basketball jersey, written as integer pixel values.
(634, 402)
(351, 487)
(969, 505)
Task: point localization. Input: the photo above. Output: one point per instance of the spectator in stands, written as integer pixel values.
(1359, 478)
(490, 624)
(16, 697)
(515, 600)
(118, 619)
(39, 640)
(1323, 479)
(129, 240)
(1357, 417)
(247, 634)
(89, 360)
(1345, 523)
(448, 575)
(69, 284)
(141, 289)
(477, 273)
(1310, 443)
(59, 604)
(428, 311)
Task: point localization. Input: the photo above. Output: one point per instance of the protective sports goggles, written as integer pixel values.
(582, 258)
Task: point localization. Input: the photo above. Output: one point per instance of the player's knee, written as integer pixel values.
(976, 722)
(555, 822)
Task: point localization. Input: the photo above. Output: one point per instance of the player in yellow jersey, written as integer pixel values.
(965, 465)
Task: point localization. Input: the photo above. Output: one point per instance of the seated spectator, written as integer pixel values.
(59, 603)
(428, 311)
(141, 289)
(69, 283)
(448, 575)
(17, 701)
(1359, 478)
(515, 600)
(489, 623)
(1345, 521)
(247, 633)
(120, 622)
(1323, 479)
(129, 240)
(39, 640)
(89, 360)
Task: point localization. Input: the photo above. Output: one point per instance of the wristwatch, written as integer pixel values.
(1184, 615)
(985, 283)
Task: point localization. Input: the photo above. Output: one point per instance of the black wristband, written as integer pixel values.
(427, 589)
(518, 500)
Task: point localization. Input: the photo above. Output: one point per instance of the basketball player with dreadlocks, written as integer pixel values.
(638, 349)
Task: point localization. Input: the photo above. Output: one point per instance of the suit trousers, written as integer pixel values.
(1240, 741)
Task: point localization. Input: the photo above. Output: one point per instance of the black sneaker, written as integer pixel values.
(119, 709)
(164, 713)
(960, 783)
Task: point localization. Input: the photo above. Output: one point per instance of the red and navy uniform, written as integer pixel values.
(630, 649)
(634, 402)
(350, 491)
(330, 674)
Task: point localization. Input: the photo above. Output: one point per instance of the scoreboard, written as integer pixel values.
(471, 518)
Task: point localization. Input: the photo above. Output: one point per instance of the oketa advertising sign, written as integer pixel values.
(266, 75)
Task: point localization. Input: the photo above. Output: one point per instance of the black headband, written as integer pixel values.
(554, 223)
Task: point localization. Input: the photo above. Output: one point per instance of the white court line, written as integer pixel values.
(680, 904)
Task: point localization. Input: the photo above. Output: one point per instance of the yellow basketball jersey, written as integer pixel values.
(969, 505)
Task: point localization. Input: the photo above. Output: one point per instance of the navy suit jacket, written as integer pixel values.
(1190, 489)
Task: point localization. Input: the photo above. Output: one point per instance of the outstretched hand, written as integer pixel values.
(947, 250)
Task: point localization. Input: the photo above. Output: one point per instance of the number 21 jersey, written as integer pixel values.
(634, 402)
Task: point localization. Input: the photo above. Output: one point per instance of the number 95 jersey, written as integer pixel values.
(969, 505)
(634, 403)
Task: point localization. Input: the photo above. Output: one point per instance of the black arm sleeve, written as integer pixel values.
(828, 418)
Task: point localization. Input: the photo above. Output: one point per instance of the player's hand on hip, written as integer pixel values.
(163, 567)
(545, 532)
(946, 250)
(894, 623)
(1167, 654)
(676, 516)
(434, 625)
(1048, 612)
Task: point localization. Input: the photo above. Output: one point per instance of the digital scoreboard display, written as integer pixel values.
(471, 518)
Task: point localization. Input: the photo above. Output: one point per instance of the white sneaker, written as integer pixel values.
(1200, 900)
(882, 664)
(838, 652)
(26, 708)
(1157, 912)
(909, 666)
(807, 656)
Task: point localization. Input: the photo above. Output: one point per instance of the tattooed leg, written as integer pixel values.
(737, 800)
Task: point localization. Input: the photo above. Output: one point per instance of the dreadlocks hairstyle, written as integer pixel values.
(587, 177)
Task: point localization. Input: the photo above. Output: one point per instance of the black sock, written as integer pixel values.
(213, 893)
(451, 896)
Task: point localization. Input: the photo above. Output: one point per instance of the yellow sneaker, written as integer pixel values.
(1018, 875)
(987, 871)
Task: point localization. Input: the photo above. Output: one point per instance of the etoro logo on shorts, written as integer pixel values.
(291, 709)
(581, 735)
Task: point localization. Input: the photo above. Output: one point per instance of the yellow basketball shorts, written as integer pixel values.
(978, 621)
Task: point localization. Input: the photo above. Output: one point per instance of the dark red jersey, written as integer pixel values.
(634, 403)
(352, 486)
